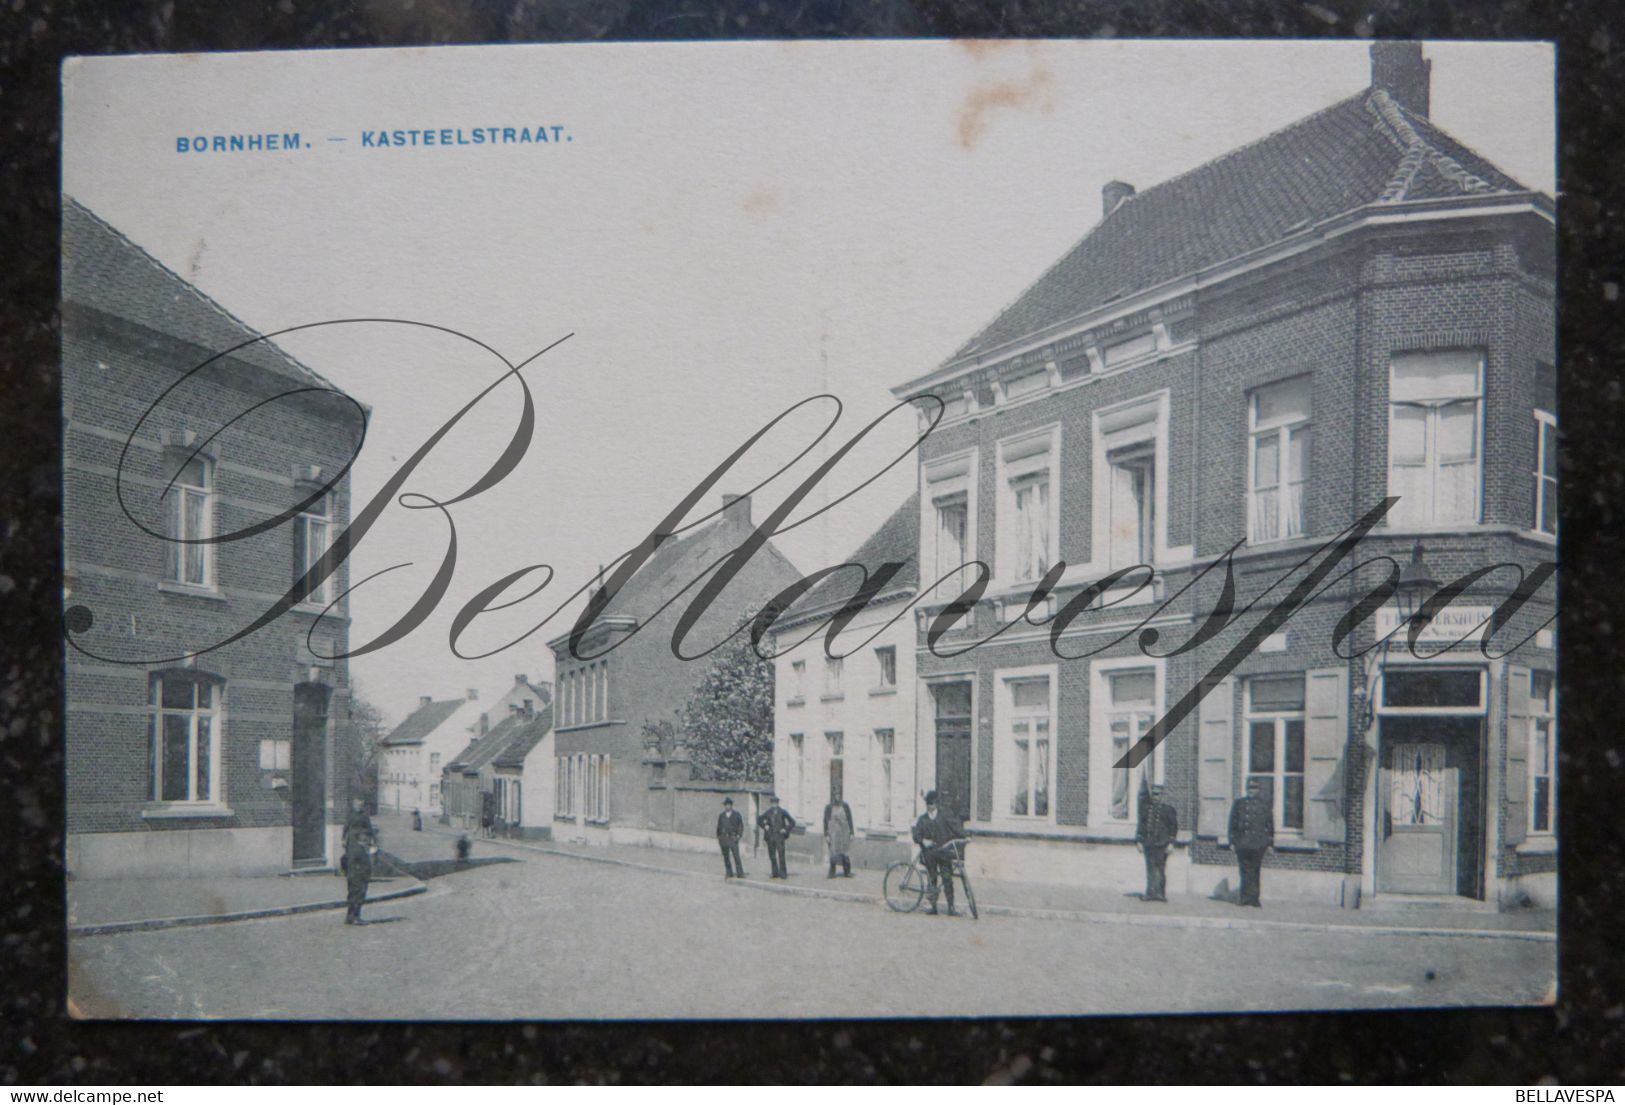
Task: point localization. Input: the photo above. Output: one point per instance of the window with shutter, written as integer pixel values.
(1325, 737)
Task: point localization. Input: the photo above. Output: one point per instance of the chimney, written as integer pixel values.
(1113, 195)
(520, 678)
(736, 509)
(1399, 69)
(424, 700)
(473, 693)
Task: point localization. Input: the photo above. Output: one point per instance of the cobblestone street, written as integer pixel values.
(555, 937)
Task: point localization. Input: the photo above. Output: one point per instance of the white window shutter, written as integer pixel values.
(1215, 742)
(1325, 738)
(1517, 774)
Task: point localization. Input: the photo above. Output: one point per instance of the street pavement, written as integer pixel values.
(553, 937)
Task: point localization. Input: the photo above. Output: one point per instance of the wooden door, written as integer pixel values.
(953, 702)
(308, 762)
(1418, 822)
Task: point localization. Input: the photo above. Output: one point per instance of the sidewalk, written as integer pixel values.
(100, 906)
(1089, 904)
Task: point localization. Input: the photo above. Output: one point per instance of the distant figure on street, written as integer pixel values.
(359, 837)
(488, 814)
(776, 823)
(730, 827)
(838, 835)
(932, 832)
(1158, 825)
(1252, 833)
(417, 821)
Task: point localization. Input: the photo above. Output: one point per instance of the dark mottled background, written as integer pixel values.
(1582, 1039)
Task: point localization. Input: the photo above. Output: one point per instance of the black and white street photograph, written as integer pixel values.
(820, 530)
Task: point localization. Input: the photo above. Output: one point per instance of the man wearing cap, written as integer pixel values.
(933, 831)
(730, 827)
(776, 823)
(1157, 827)
(1252, 833)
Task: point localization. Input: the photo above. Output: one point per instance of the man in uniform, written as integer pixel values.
(730, 827)
(932, 832)
(359, 836)
(1158, 825)
(776, 823)
(1252, 833)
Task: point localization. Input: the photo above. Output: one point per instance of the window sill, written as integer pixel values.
(317, 611)
(600, 821)
(171, 811)
(1290, 844)
(880, 834)
(798, 700)
(832, 697)
(169, 587)
(877, 692)
(1536, 846)
(567, 818)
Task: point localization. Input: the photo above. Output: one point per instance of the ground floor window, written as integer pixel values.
(1542, 751)
(1125, 699)
(885, 751)
(1275, 744)
(184, 738)
(1028, 748)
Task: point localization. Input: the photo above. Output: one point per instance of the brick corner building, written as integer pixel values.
(187, 756)
(1251, 356)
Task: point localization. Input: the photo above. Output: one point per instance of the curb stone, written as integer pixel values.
(108, 928)
(1087, 916)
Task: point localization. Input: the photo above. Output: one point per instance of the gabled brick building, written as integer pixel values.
(236, 760)
(1254, 354)
(605, 776)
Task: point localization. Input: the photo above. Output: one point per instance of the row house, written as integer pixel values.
(1250, 357)
(611, 783)
(414, 755)
(184, 758)
(843, 717)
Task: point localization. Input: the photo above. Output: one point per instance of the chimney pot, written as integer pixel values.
(736, 509)
(1399, 69)
(520, 678)
(1113, 195)
(473, 693)
(424, 699)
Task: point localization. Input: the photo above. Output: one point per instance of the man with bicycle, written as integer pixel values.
(933, 832)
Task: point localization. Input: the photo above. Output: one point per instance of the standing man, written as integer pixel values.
(1252, 833)
(933, 832)
(838, 835)
(359, 836)
(730, 827)
(776, 823)
(1158, 825)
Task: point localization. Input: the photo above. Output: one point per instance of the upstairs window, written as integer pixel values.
(1435, 412)
(886, 668)
(1026, 508)
(1278, 460)
(952, 527)
(1132, 505)
(798, 681)
(833, 667)
(1546, 472)
(191, 519)
(948, 522)
(310, 541)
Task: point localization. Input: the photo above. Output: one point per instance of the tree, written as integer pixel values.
(728, 720)
(364, 730)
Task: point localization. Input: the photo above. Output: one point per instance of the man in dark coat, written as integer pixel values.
(776, 823)
(838, 835)
(359, 836)
(730, 827)
(933, 831)
(1252, 833)
(1158, 825)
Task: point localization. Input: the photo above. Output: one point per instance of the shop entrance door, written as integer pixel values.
(1429, 820)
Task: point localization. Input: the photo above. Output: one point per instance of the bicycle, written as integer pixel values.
(907, 882)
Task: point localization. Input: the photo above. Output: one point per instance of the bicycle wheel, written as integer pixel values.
(970, 895)
(905, 889)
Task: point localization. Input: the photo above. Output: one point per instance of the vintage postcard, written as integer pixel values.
(774, 529)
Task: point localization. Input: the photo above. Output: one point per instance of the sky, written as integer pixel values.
(719, 232)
